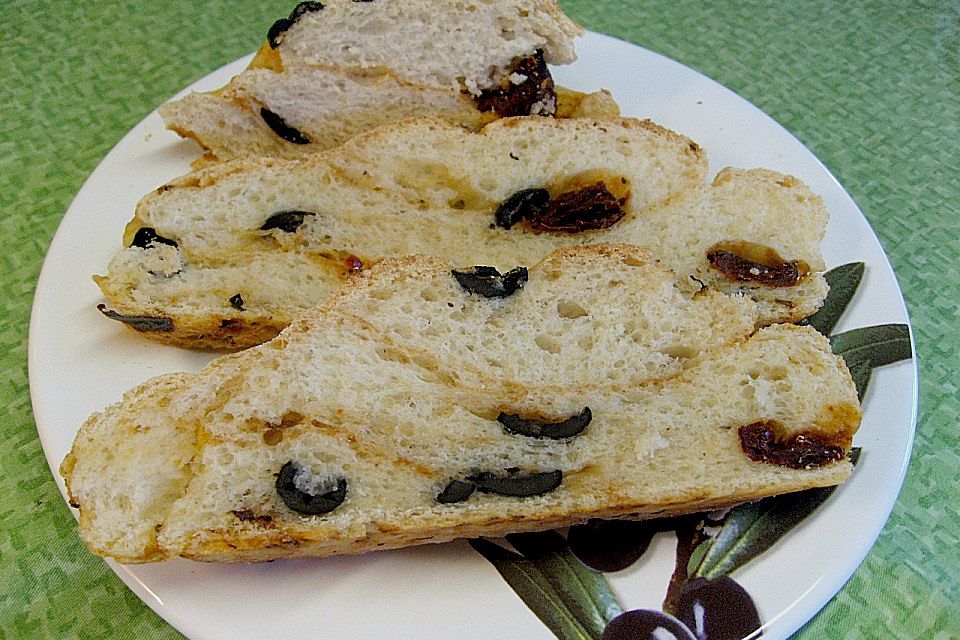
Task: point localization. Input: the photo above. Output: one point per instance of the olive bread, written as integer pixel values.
(229, 255)
(331, 70)
(414, 408)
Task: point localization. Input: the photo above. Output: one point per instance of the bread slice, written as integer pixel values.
(399, 395)
(427, 187)
(330, 71)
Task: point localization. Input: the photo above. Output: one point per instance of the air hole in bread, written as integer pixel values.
(570, 310)
(381, 294)
(374, 27)
(493, 362)
(678, 351)
(548, 344)
(776, 374)
(392, 354)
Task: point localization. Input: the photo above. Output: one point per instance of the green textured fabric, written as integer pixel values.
(873, 88)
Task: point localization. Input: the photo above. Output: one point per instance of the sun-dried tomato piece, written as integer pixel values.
(590, 207)
(353, 263)
(750, 262)
(804, 450)
(246, 515)
(526, 90)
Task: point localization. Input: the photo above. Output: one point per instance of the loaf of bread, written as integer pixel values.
(334, 69)
(425, 403)
(229, 255)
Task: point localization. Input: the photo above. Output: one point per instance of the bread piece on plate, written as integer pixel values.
(229, 255)
(414, 408)
(334, 69)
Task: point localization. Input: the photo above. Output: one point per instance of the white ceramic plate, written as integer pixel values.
(79, 363)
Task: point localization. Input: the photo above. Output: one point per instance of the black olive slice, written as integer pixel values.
(281, 128)
(236, 301)
(523, 204)
(288, 221)
(456, 491)
(568, 428)
(278, 28)
(517, 485)
(140, 323)
(147, 236)
(489, 283)
(303, 502)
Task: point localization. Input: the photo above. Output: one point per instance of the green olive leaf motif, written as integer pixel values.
(843, 281)
(878, 345)
(865, 348)
(583, 590)
(536, 591)
(860, 372)
(752, 528)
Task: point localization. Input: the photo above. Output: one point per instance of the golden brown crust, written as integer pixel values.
(215, 333)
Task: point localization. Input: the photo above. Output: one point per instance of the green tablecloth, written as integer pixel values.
(873, 88)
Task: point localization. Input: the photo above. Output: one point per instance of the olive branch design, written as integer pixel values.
(560, 577)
